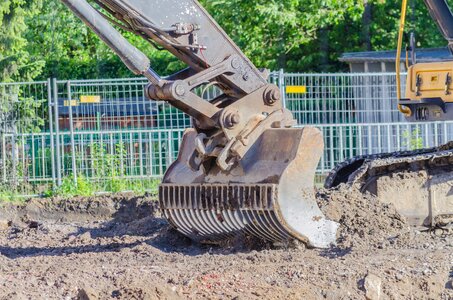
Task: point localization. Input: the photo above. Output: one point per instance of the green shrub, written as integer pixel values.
(70, 188)
(413, 140)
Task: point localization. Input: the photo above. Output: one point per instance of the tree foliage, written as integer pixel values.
(16, 62)
(272, 32)
(41, 38)
(72, 51)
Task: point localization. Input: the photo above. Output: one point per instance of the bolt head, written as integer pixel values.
(232, 119)
(235, 119)
(272, 96)
(275, 95)
(180, 90)
(235, 63)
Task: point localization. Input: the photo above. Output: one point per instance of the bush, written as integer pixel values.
(413, 140)
(71, 188)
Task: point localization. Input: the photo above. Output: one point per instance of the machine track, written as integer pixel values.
(360, 168)
(432, 167)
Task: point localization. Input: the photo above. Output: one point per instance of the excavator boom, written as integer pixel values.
(242, 168)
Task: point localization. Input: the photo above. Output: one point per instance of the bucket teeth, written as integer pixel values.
(215, 212)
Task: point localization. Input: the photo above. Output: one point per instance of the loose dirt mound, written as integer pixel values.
(79, 209)
(119, 247)
(364, 221)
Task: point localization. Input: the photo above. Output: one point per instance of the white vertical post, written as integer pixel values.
(50, 104)
(71, 129)
(57, 131)
(281, 83)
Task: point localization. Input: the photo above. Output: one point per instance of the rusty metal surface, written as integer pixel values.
(215, 212)
(268, 194)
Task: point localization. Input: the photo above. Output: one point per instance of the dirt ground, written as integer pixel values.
(119, 247)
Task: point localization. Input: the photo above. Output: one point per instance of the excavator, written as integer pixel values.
(244, 168)
(418, 183)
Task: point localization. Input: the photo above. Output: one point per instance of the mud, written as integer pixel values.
(119, 247)
(365, 221)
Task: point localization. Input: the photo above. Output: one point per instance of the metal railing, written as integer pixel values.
(107, 129)
(343, 141)
(144, 154)
(343, 98)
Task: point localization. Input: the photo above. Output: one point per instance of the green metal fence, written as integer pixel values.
(106, 131)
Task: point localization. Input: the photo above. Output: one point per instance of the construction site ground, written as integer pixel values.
(120, 247)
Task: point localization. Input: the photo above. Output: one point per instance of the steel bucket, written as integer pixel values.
(268, 194)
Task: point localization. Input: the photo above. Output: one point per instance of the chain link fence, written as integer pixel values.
(107, 132)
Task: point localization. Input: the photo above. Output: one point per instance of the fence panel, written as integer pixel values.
(343, 141)
(117, 104)
(106, 131)
(134, 154)
(343, 98)
(24, 116)
(23, 107)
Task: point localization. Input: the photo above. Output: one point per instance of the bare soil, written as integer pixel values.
(119, 247)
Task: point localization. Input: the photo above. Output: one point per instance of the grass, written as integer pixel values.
(8, 196)
(412, 140)
(86, 187)
(71, 188)
(83, 187)
(11, 196)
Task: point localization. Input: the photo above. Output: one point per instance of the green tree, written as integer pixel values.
(297, 35)
(17, 113)
(15, 60)
(273, 33)
(72, 51)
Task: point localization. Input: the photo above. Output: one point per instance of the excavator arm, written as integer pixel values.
(441, 14)
(186, 30)
(242, 168)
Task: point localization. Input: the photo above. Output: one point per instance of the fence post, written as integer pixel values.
(14, 151)
(3, 156)
(281, 84)
(71, 129)
(170, 148)
(57, 130)
(50, 104)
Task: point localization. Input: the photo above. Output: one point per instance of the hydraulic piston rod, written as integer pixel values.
(133, 58)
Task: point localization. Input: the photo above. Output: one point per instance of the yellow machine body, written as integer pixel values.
(430, 80)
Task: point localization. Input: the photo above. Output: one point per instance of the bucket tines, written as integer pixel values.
(268, 194)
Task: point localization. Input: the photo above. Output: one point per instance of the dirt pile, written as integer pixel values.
(119, 247)
(81, 209)
(364, 220)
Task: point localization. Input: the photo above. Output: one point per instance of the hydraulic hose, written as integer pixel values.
(401, 108)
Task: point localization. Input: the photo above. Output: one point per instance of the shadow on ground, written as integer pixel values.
(133, 221)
